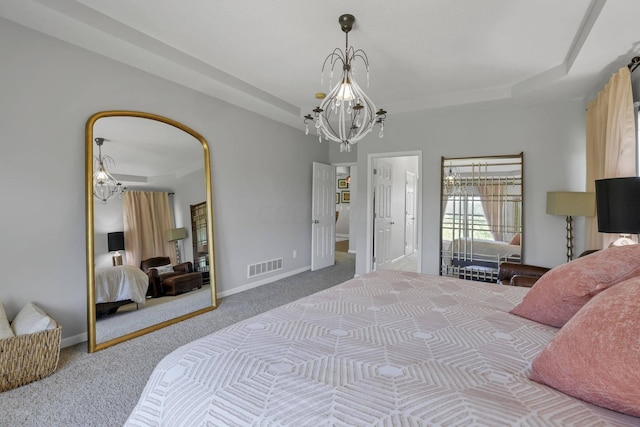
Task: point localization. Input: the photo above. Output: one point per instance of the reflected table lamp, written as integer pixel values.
(618, 204)
(115, 243)
(570, 204)
(174, 235)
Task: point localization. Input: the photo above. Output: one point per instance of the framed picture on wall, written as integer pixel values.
(337, 198)
(342, 183)
(345, 197)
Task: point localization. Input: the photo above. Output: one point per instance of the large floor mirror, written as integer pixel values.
(150, 254)
(481, 215)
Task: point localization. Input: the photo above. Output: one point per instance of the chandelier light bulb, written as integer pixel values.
(346, 92)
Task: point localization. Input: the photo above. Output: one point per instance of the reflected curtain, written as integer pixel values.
(610, 143)
(147, 216)
(492, 200)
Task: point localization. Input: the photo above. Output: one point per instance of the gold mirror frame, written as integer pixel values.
(93, 346)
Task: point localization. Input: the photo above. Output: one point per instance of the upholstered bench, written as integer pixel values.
(183, 283)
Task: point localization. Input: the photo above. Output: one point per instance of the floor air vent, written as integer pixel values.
(264, 267)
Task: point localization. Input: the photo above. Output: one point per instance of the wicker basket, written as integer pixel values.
(27, 358)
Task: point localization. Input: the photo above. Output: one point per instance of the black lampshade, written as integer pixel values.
(618, 205)
(115, 241)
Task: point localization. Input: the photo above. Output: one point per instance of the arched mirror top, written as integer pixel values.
(481, 223)
(144, 153)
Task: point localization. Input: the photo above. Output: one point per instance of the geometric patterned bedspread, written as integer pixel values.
(384, 349)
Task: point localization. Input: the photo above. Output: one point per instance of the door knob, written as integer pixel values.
(315, 221)
(391, 222)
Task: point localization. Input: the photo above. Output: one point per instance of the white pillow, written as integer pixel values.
(164, 268)
(5, 327)
(32, 319)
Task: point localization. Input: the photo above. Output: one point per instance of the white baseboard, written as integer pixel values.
(73, 340)
(262, 282)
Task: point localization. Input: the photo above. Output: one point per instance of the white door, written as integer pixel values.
(410, 235)
(383, 223)
(323, 216)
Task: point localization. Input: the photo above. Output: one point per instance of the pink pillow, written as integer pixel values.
(563, 290)
(515, 240)
(596, 355)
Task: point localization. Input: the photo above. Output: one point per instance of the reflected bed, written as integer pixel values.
(119, 285)
(477, 259)
(386, 348)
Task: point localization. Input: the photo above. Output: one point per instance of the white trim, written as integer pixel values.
(369, 214)
(73, 340)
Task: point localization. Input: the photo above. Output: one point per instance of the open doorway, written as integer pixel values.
(393, 212)
(345, 204)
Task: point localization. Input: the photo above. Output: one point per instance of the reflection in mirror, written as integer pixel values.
(481, 215)
(149, 225)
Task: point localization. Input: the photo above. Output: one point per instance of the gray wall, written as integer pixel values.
(261, 171)
(551, 137)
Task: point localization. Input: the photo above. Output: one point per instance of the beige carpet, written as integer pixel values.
(101, 389)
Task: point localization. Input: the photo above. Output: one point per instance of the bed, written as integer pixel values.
(383, 349)
(119, 285)
(477, 259)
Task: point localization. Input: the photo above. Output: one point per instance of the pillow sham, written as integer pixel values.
(5, 327)
(563, 290)
(164, 268)
(596, 355)
(31, 319)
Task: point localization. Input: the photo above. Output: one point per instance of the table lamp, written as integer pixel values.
(618, 204)
(115, 243)
(174, 235)
(570, 204)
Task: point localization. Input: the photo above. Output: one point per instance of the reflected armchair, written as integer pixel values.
(181, 279)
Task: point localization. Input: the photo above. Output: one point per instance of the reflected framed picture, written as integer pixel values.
(342, 183)
(345, 197)
(337, 198)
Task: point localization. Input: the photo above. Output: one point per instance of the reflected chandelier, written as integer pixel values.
(452, 185)
(346, 114)
(105, 186)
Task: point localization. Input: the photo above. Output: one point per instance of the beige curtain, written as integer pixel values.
(492, 199)
(611, 143)
(147, 217)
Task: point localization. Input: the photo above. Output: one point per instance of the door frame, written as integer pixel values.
(353, 204)
(369, 207)
(414, 234)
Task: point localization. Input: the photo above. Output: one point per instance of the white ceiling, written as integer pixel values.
(266, 56)
(147, 153)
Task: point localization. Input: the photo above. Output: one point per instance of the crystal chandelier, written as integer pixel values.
(346, 114)
(105, 186)
(452, 185)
